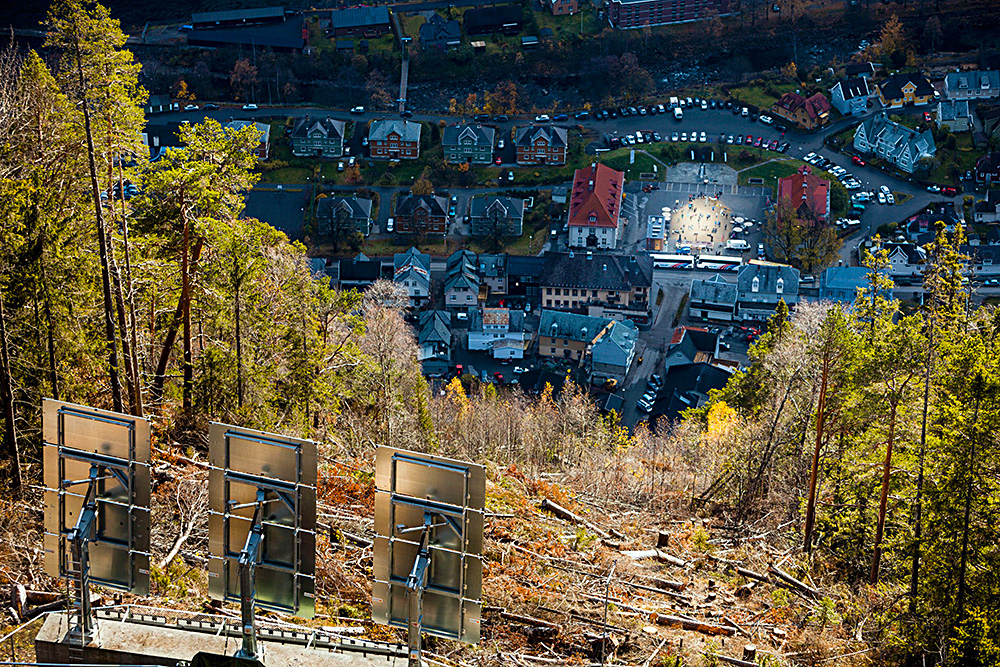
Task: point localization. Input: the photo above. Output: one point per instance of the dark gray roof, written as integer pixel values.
(435, 327)
(683, 385)
(480, 135)
(158, 101)
(859, 69)
(285, 36)
(713, 290)
(525, 265)
(360, 270)
(892, 88)
(856, 87)
(572, 326)
(359, 17)
(328, 127)
(411, 256)
(492, 18)
(435, 205)
(258, 14)
(439, 29)
(493, 266)
(982, 254)
(768, 276)
(357, 207)
(597, 271)
(512, 207)
(406, 129)
(556, 136)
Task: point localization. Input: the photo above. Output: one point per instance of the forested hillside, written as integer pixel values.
(859, 451)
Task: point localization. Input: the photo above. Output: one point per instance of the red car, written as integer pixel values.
(949, 191)
(499, 160)
(756, 143)
(858, 161)
(927, 116)
(498, 377)
(749, 139)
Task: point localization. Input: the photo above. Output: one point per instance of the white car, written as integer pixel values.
(884, 189)
(389, 226)
(638, 138)
(704, 105)
(500, 145)
(933, 188)
(674, 136)
(890, 199)
(703, 138)
(520, 369)
(358, 109)
(684, 136)
(542, 118)
(191, 107)
(881, 197)
(462, 316)
(644, 406)
(767, 120)
(250, 107)
(809, 157)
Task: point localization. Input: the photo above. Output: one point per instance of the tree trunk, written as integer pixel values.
(188, 381)
(102, 238)
(820, 418)
(239, 342)
(116, 283)
(156, 391)
(49, 336)
(877, 557)
(137, 408)
(7, 396)
(963, 566)
(918, 501)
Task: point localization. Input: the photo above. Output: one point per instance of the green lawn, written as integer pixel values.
(769, 171)
(759, 96)
(411, 24)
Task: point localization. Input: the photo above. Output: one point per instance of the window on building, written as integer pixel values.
(780, 286)
(755, 285)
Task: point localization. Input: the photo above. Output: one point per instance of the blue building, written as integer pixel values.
(841, 283)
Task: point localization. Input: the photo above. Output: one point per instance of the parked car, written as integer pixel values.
(881, 197)
(250, 107)
(933, 188)
(357, 109)
(951, 192)
(542, 118)
(767, 120)
(890, 199)
(582, 115)
(702, 137)
(927, 117)
(675, 137)
(389, 226)
(858, 161)
(560, 117)
(502, 118)
(211, 107)
(191, 107)
(500, 145)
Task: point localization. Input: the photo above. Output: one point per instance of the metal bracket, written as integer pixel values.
(249, 557)
(79, 539)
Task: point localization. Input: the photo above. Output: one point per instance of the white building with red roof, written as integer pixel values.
(595, 207)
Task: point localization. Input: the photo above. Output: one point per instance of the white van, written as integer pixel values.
(737, 244)
(389, 225)
(674, 103)
(678, 113)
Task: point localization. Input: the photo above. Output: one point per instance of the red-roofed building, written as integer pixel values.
(594, 207)
(809, 195)
(807, 112)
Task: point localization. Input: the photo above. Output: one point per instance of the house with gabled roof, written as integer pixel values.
(988, 168)
(713, 299)
(488, 211)
(954, 115)
(902, 88)
(426, 214)
(394, 139)
(263, 149)
(806, 194)
(975, 85)
(434, 336)
(595, 207)
(616, 286)
(359, 22)
(806, 112)
(761, 286)
(569, 336)
(332, 212)
(499, 330)
(987, 210)
(851, 96)
(468, 143)
(412, 270)
(358, 272)
(318, 137)
(440, 34)
(893, 142)
(461, 283)
(541, 144)
(865, 70)
(842, 283)
(613, 352)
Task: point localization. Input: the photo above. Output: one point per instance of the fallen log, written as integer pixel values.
(664, 557)
(567, 515)
(792, 581)
(95, 600)
(691, 624)
(676, 596)
(736, 661)
(667, 583)
(750, 574)
(529, 620)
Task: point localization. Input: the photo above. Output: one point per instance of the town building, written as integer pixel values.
(842, 283)
(318, 137)
(237, 18)
(358, 273)
(893, 142)
(161, 104)
(499, 330)
(595, 207)
(975, 85)
(394, 139)
(506, 19)
(492, 215)
(954, 115)
(493, 272)
(902, 89)
(865, 70)
(440, 34)
(468, 143)
(987, 210)
(569, 336)
(263, 149)
(988, 168)
(281, 35)
(852, 96)
(369, 22)
(612, 353)
(524, 275)
(336, 212)
(712, 300)
(806, 194)
(561, 7)
(541, 144)
(760, 288)
(616, 286)
(412, 270)
(434, 336)
(421, 214)
(685, 386)
(921, 227)
(691, 345)
(806, 112)
(461, 283)
(632, 14)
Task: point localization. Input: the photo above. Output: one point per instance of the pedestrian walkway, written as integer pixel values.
(712, 188)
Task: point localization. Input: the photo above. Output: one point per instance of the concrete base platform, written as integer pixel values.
(125, 643)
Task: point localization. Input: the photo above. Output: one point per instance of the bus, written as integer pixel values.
(718, 263)
(682, 262)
